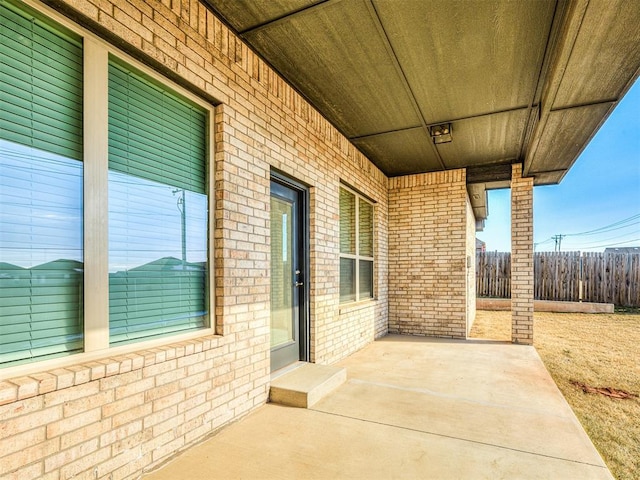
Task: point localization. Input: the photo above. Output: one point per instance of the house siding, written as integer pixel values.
(117, 416)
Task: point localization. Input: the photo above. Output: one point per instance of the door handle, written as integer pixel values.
(297, 283)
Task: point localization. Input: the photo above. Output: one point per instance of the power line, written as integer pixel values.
(535, 245)
(615, 244)
(601, 240)
(619, 225)
(622, 224)
(606, 227)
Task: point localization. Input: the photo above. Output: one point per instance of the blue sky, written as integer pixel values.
(600, 192)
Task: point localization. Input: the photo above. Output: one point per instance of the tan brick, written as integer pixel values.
(521, 256)
(30, 454)
(73, 407)
(21, 407)
(132, 442)
(69, 455)
(123, 405)
(116, 434)
(8, 392)
(82, 374)
(27, 387)
(162, 391)
(85, 464)
(163, 421)
(108, 468)
(431, 231)
(72, 423)
(33, 471)
(124, 378)
(134, 387)
(156, 369)
(22, 440)
(129, 470)
(168, 401)
(46, 382)
(67, 394)
(84, 434)
(132, 414)
(29, 421)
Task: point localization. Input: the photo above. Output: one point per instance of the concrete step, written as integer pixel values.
(306, 384)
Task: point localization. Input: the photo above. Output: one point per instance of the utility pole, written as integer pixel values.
(183, 223)
(558, 240)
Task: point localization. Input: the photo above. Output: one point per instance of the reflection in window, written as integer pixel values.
(157, 257)
(157, 209)
(41, 269)
(365, 286)
(356, 247)
(365, 228)
(347, 280)
(347, 222)
(281, 273)
(41, 255)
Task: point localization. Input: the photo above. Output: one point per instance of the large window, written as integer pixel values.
(157, 209)
(103, 174)
(356, 247)
(41, 255)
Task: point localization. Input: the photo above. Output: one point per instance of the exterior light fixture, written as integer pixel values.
(441, 133)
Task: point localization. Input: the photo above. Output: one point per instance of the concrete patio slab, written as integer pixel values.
(411, 408)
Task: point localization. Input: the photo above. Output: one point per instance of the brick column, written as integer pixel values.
(521, 257)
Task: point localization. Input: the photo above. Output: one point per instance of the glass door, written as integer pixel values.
(288, 330)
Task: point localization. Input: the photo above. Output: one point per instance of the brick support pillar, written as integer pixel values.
(521, 257)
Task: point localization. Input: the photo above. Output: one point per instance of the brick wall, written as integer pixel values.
(521, 257)
(116, 416)
(428, 216)
(113, 417)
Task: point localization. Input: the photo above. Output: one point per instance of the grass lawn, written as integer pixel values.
(597, 350)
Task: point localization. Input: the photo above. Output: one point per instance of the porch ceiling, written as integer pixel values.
(527, 81)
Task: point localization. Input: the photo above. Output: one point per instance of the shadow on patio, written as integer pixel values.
(411, 408)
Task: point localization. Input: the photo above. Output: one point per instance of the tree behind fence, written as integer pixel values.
(566, 276)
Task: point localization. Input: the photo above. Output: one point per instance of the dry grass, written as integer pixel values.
(597, 350)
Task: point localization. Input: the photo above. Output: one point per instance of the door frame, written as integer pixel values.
(304, 255)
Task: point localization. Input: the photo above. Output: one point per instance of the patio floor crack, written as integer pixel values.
(466, 440)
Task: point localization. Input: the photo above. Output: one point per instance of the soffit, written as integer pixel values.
(519, 81)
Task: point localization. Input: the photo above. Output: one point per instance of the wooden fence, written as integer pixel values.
(566, 276)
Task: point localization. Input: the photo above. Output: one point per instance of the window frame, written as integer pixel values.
(357, 257)
(96, 53)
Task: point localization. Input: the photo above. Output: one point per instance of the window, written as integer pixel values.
(148, 172)
(41, 170)
(356, 247)
(157, 210)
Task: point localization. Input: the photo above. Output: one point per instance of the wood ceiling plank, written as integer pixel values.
(400, 153)
(485, 140)
(566, 134)
(596, 70)
(337, 58)
(373, 66)
(469, 58)
(244, 16)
